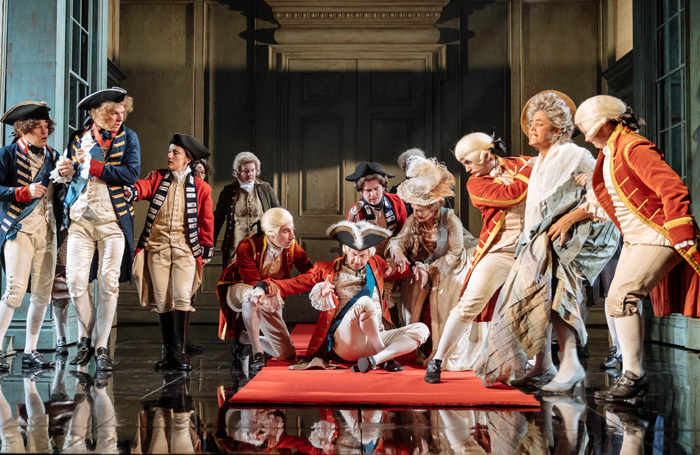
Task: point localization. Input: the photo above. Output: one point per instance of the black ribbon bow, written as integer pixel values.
(498, 143)
(631, 120)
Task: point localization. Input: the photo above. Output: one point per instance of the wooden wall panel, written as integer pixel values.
(229, 89)
(556, 55)
(485, 85)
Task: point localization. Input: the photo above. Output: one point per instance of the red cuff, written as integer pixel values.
(682, 230)
(96, 168)
(22, 194)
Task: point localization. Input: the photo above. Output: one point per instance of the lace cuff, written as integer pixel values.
(318, 302)
(685, 244)
(58, 178)
(322, 434)
(592, 206)
(258, 296)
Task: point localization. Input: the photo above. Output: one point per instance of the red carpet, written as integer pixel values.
(277, 384)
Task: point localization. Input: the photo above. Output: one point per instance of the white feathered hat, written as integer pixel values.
(428, 182)
(359, 235)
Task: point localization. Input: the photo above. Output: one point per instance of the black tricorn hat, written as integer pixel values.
(95, 100)
(367, 168)
(360, 235)
(27, 110)
(192, 145)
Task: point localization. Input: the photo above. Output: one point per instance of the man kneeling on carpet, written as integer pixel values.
(268, 255)
(354, 325)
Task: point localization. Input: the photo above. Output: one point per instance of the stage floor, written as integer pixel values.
(137, 410)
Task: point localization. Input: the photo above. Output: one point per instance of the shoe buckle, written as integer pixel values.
(624, 381)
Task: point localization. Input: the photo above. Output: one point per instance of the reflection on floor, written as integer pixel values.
(136, 410)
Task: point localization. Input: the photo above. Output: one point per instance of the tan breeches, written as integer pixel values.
(172, 273)
(275, 340)
(639, 269)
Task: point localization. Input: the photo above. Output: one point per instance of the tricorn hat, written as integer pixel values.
(367, 168)
(27, 110)
(428, 182)
(192, 145)
(525, 123)
(359, 235)
(97, 99)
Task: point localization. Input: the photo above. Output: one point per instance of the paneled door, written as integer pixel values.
(340, 112)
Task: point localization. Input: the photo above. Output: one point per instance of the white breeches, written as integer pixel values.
(351, 337)
(488, 275)
(30, 255)
(83, 238)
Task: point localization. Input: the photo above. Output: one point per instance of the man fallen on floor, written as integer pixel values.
(354, 326)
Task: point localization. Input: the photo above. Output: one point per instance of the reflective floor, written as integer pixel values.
(136, 410)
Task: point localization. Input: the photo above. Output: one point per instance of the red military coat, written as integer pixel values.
(492, 197)
(200, 237)
(356, 214)
(655, 194)
(318, 274)
(246, 269)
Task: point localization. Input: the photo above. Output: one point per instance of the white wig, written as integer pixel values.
(273, 219)
(406, 157)
(245, 158)
(596, 111)
(473, 147)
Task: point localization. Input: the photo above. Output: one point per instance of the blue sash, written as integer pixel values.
(41, 177)
(78, 182)
(366, 291)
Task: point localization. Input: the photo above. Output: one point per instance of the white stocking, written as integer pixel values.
(6, 314)
(543, 360)
(35, 319)
(613, 331)
(106, 421)
(569, 365)
(453, 331)
(251, 320)
(84, 310)
(630, 331)
(402, 345)
(104, 319)
(60, 317)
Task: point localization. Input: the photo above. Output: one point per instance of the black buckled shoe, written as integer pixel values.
(84, 379)
(257, 362)
(392, 365)
(61, 347)
(85, 352)
(32, 373)
(35, 360)
(614, 359)
(3, 362)
(364, 364)
(432, 373)
(627, 386)
(101, 379)
(103, 361)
